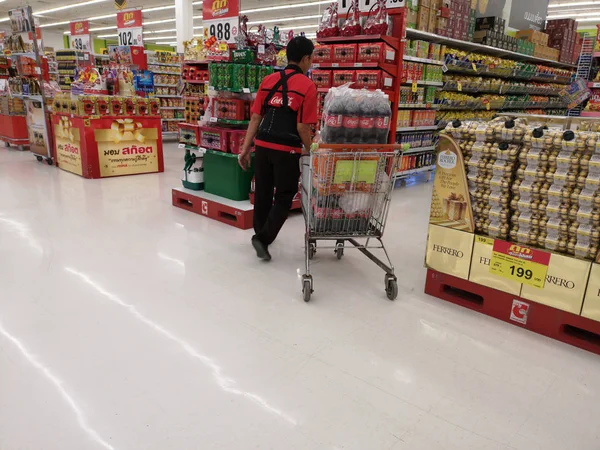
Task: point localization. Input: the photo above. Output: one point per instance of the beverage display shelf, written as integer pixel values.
(483, 70)
(390, 40)
(424, 83)
(475, 88)
(417, 106)
(385, 91)
(485, 49)
(421, 128)
(152, 63)
(389, 68)
(423, 60)
(504, 106)
(418, 149)
(407, 173)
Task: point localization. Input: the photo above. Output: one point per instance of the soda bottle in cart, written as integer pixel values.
(383, 114)
(350, 120)
(333, 112)
(366, 121)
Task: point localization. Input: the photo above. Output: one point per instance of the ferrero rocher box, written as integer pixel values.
(450, 202)
(127, 148)
(68, 145)
(449, 251)
(480, 268)
(565, 285)
(591, 302)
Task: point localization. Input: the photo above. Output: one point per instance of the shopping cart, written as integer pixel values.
(346, 191)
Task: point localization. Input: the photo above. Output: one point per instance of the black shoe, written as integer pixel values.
(262, 250)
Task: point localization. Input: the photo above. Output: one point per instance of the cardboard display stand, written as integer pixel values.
(108, 146)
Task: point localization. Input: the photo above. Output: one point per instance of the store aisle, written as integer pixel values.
(126, 323)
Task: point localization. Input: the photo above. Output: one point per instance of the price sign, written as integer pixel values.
(221, 19)
(414, 86)
(129, 27)
(522, 264)
(80, 36)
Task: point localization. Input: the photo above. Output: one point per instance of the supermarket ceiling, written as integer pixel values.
(587, 13)
(159, 15)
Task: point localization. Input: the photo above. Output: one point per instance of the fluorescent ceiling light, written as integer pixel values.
(165, 43)
(292, 5)
(299, 27)
(284, 19)
(567, 5)
(158, 8)
(154, 22)
(53, 24)
(171, 30)
(589, 19)
(112, 27)
(568, 15)
(106, 16)
(72, 5)
(193, 3)
(108, 35)
(160, 38)
(199, 28)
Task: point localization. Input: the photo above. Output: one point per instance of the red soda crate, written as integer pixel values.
(344, 53)
(322, 53)
(342, 77)
(375, 52)
(370, 79)
(321, 78)
(236, 141)
(230, 108)
(214, 138)
(189, 134)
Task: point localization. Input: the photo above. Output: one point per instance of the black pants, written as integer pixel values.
(278, 171)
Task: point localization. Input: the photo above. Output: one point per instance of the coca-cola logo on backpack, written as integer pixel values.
(277, 101)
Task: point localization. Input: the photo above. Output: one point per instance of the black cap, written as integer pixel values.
(538, 132)
(503, 145)
(510, 123)
(568, 135)
(456, 123)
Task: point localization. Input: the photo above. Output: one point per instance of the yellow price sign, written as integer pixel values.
(459, 86)
(521, 264)
(474, 67)
(414, 86)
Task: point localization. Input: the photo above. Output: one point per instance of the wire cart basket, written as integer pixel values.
(346, 192)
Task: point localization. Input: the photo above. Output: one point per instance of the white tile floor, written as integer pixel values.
(126, 323)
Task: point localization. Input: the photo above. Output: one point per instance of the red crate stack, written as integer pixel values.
(564, 38)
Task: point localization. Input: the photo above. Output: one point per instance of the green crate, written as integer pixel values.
(242, 56)
(238, 77)
(224, 177)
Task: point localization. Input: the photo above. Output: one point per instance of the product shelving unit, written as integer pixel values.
(68, 61)
(166, 67)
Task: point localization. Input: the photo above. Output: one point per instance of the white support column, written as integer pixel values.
(184, 22)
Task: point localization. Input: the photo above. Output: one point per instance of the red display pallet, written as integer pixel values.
(234, 213)
(555, 323)
(13, 130)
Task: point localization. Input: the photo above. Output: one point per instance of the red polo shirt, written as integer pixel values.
(302, 98)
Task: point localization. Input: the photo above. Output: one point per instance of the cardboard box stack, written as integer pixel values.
(490, 31)
(564, 38)
(452, 18)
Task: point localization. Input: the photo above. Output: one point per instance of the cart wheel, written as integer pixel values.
(49, 161)
(339, 249)
(391, 287)
(21, 148)
(312, 249)
(6, 144)
(307, 288)
(39, 158)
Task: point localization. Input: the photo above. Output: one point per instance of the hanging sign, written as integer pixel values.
(80, 36)
(518, 263)
(19, 19)
(221, 19)
(129, 27)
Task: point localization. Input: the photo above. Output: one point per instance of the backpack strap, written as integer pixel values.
(283, 79)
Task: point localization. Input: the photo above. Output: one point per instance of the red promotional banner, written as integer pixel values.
(217, 9)
(129, 19)
(80, 27)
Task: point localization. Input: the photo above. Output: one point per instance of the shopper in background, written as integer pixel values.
(284, 109)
